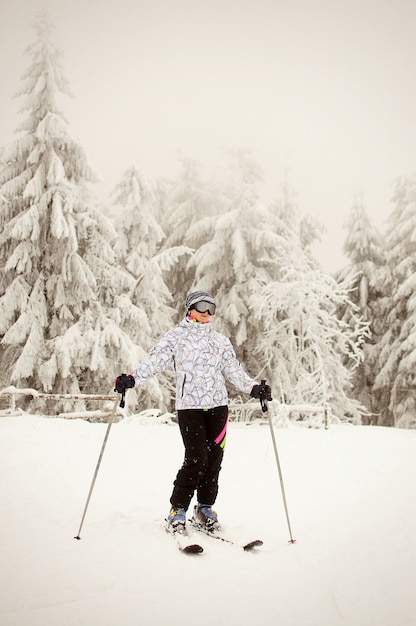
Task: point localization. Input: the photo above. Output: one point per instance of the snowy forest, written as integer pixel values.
(86, 290)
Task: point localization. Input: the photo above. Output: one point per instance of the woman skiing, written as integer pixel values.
(202, 359)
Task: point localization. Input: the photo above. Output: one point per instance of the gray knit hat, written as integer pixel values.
(197, 296)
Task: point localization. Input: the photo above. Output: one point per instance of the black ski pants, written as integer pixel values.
(203, 433)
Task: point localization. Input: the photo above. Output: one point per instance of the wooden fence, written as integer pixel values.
(309, 415)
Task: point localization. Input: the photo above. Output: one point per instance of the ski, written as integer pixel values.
(187, 548)
(215, 535)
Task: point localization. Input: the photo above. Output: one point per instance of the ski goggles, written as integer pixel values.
(204, 307)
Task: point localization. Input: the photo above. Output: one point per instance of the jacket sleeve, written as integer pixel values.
(160, 358)
(233, 371)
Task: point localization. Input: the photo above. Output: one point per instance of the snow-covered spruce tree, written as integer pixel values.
(139, 250)
(396, 376)
(232, 255)
(364, 249)
(303, 230)
(187, 200)
(140, 238)
(58, 279)
(308, 352)
(304, 343)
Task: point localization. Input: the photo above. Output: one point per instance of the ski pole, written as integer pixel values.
(264, 408)
(111, 416)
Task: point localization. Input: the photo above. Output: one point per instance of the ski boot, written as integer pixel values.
(205, 517)
(176, 521)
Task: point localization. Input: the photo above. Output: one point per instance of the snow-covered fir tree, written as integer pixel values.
(140, 251)
(308, 353)
(304, 229)
(59, 283)
(364, 249)
(232, 252)
(140, 238)
(188, 199)
(304, 342)
(396, 375)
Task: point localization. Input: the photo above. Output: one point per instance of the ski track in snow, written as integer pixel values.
(351, 500)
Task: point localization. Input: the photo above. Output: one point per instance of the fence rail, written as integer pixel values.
(10, 394)
(316, 415)
(311, 414)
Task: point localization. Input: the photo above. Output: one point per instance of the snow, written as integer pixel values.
(351, 501)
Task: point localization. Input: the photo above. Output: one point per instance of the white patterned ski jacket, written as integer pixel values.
(202, 358)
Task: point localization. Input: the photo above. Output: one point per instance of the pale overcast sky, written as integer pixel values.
(324, 91)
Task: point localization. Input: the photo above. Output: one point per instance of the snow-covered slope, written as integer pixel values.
(352, 506)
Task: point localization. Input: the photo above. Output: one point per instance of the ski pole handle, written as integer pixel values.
(122, 383)
(263, 403)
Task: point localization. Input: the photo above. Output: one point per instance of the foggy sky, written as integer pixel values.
(323, 91)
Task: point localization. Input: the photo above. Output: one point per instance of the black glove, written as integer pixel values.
(124, 382)
(263, 392)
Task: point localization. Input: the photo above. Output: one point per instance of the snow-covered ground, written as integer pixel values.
(352, 506)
